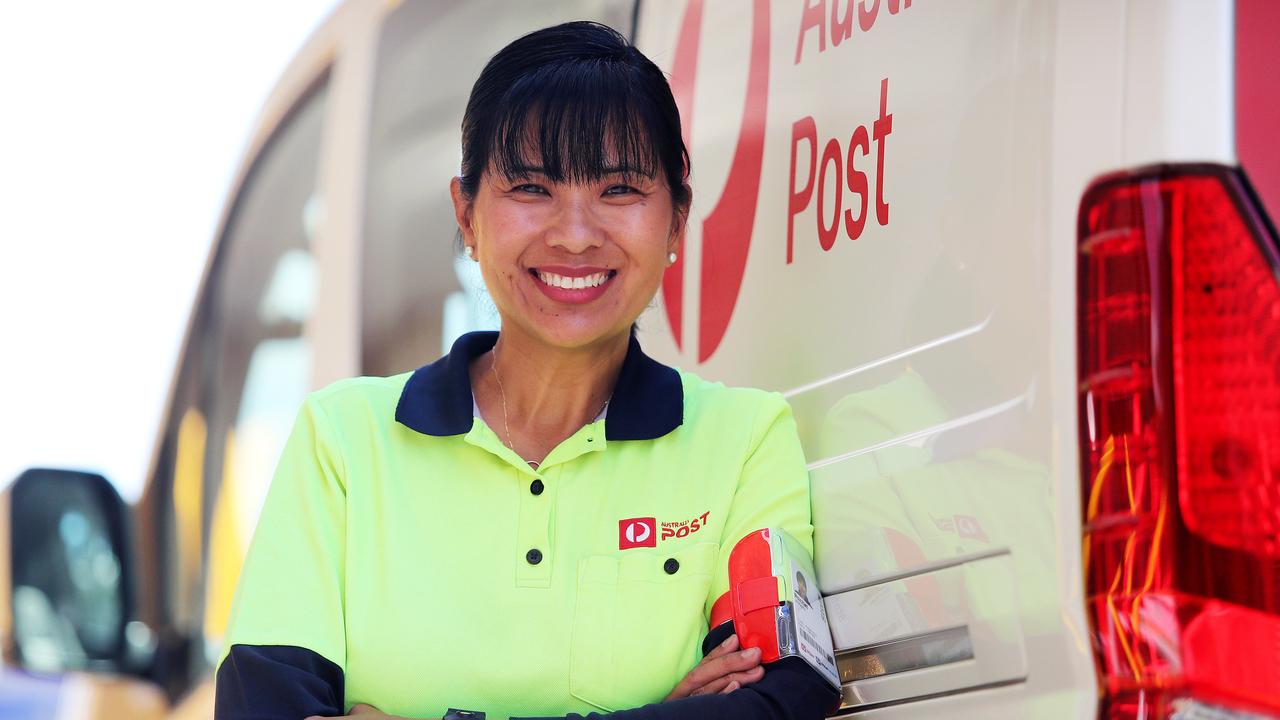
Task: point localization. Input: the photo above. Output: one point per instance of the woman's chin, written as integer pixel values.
(569, 333)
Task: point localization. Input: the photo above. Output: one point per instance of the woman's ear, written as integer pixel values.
(678, 226)
(462, 212)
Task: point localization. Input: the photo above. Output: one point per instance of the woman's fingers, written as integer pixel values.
(736, 661)
(719, 668)
(723, 667)
(733, 681)
(714, 668)
(712, 687)
(748, 676)
(729, 645)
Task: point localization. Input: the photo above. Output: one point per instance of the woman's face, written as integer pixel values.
(570, 263)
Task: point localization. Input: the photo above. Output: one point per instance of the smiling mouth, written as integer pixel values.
(585, 282)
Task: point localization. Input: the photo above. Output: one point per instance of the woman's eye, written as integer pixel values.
(528, 188)
(620, 190)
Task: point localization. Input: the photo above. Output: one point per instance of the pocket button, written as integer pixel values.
(671, 566)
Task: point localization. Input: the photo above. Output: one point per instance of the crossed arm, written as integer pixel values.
(727, 683)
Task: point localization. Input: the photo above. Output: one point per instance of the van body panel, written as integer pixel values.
(1179, 80)
(909, 334)
(333, 330)
(910, 647)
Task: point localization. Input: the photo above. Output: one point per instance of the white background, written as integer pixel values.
(121, 127)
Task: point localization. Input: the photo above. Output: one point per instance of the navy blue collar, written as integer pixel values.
(647, 402)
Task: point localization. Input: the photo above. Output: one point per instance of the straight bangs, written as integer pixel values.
(576, 122)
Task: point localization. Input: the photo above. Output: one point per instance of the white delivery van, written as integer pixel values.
(1013, 263)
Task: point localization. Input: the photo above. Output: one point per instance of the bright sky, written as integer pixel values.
(123, 124)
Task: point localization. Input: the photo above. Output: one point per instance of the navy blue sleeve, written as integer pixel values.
(276, 682)
(789, 690)
(279, 682)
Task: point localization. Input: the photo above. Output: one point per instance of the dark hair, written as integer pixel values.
(577, 100)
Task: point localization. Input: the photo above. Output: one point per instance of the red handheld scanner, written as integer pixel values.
(754, 596)
(769, 602)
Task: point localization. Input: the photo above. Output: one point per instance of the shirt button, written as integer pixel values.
(534, 556)
(671, 566)
(536, 487)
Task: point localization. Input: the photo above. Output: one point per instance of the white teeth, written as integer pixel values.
(573, 283)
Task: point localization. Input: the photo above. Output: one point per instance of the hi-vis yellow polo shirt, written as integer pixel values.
(406, 558)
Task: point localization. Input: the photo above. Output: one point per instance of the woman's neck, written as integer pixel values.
(541, 394)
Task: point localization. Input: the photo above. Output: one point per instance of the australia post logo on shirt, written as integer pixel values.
(647, 531)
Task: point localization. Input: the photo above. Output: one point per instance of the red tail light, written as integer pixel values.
(1179, 343)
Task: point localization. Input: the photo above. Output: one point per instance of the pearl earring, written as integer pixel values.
(671, 258)
(469, 252)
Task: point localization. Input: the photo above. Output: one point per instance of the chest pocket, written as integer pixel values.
(637, 626)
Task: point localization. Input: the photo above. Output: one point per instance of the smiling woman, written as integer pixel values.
(574, 182)
(464, 535)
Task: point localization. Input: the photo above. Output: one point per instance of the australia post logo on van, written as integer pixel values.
(648, 532)
(849, 157)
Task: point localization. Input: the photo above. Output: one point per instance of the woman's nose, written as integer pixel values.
(575, 227)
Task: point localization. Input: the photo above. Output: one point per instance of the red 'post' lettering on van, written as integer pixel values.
(831, 154)
(883, 126)
(802, 129)
(857, 181)
(845, 174)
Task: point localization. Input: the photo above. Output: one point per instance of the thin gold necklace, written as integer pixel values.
(493, 368)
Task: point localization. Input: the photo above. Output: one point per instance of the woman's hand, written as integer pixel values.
(723, 670)
(361, 711)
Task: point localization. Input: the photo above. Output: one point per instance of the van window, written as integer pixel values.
(244, 373)
(417, 294)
